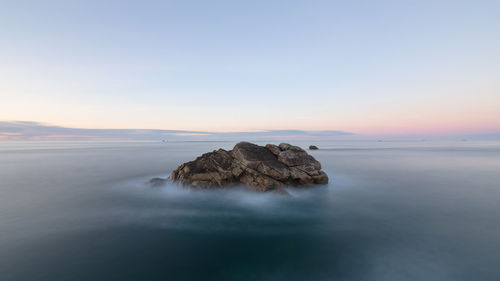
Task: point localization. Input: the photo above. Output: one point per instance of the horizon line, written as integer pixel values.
(32, 130)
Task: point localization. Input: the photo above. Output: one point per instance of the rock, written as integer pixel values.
(297, 158)
(284, 146)
(260, 168)
(157, 181)
(322, 178)
(215, 168)
(299, 176)
(261, 159)
(273, 148)
(313, 147)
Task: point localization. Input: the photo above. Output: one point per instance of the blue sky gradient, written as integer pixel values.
(369, 67)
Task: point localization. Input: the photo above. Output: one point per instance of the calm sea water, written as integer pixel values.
(393, 211)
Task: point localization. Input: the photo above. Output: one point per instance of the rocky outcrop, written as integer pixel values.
(261, 168)
(313, 147)
(157, 181)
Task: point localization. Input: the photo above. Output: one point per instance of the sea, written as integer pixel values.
(393, 210)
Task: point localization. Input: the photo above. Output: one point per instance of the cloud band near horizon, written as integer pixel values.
(27, 130)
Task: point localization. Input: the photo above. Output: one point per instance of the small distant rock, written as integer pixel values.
(261, 168)
(157, 181)
(313, 147)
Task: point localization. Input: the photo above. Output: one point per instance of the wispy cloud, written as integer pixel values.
(27, 130)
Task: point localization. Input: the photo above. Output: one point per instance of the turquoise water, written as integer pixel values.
(392, 211)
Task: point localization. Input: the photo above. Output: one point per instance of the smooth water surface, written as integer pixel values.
(392, 211)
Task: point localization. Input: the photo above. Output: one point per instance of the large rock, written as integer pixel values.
(261, 168)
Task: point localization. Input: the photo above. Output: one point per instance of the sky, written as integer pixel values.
(391, 68)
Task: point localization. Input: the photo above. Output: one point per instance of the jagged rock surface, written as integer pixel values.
(260, 168)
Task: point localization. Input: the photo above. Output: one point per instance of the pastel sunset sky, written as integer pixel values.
(403, 67)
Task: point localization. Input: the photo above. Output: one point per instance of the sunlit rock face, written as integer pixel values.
(260, 168)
